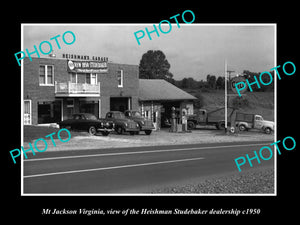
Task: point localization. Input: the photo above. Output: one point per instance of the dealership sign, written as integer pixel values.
(236, 80)
(82, 66)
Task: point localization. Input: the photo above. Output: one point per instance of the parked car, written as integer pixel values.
(88, 122)
(144, 124)
(122, 124)
(245, 121)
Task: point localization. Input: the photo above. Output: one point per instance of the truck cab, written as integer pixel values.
(258, 122)
(202, 115)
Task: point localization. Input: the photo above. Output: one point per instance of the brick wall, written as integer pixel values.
(108, 83)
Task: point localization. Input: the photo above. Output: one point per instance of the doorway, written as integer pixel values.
(120, 104)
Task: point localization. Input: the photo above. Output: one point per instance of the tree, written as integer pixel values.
(189, 83)
(199, 102)
(220, 83)
(211, 81)
(154, 65)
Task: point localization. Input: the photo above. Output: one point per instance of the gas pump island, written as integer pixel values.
(179, 121)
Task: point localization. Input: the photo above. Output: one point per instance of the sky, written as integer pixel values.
(193, 50)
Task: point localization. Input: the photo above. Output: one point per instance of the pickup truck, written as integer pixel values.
(246, 121)
(203, 117)
(144, 124)
(122, 124)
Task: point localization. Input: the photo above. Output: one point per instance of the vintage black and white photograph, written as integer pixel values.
(149, 109)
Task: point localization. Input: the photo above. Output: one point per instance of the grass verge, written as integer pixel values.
(258, 181)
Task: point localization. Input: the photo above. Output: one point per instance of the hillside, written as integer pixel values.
(259, 102)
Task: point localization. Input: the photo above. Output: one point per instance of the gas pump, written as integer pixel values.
(184, 119)
(173, 120)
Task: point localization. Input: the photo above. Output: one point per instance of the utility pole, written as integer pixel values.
(229, 72)
(225, 95)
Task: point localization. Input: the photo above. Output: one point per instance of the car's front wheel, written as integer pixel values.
(191, 125)
(105, 133)
(242, 127)
(148, 132)
(92, 130)
(268, 130)
(119, 130)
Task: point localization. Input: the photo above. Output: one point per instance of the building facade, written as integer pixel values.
(157, 97)
(55, 88)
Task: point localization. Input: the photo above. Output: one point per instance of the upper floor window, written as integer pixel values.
(120, 78)
(73, 77)
(91, 78)
(46, 75)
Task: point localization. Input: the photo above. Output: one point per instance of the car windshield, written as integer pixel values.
(136, 114)
(119, 116)
(90, 117)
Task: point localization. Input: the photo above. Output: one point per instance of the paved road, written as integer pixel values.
(132, 170)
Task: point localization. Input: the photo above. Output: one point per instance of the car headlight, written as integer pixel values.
(142, 122)
(126, 124)
(137, 125)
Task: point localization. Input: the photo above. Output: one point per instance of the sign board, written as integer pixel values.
(87, 66)
(235, 80)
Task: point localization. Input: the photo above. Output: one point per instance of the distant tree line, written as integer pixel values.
(154, 65)
(214, 83)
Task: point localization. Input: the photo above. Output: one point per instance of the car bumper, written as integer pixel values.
(147, 128)
(131, 129)
(105, 129)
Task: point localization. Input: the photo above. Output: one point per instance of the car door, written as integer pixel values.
(258, 122)
(79, 122)
(85, 123)
(202, 116)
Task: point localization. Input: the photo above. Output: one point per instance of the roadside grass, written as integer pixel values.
(255, 181)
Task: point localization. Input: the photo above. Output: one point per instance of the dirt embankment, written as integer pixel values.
(261, 103)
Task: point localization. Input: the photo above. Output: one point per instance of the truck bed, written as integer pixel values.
(245, 117)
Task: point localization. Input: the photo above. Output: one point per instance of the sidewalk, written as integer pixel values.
(82, 140)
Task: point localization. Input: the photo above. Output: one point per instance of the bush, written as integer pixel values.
(239, 102)
(199, 102)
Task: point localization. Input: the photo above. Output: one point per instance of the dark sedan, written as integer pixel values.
(88, 122)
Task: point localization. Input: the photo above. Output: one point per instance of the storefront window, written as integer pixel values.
(49, 112)
(89, 107)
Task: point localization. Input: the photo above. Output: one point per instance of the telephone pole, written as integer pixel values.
(225, 95)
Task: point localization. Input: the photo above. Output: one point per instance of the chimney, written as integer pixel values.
(52, 55)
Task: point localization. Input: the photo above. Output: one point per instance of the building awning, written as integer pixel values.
(161, 90)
